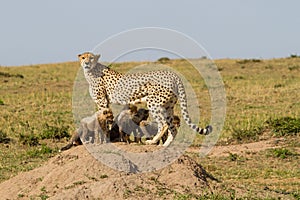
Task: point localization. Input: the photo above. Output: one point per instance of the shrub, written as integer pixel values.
(278, 85)
(103, 176)
(1, 102)
(248, 61)
(163, 59)
(5, 74)
(294, 56)
(239, 77)
(294, 67)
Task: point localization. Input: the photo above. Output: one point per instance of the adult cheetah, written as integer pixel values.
(159, 89)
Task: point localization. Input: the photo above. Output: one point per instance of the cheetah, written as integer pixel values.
(97, 124)
(75, 141)
(128, 122)
(123, 122)
(160, 90)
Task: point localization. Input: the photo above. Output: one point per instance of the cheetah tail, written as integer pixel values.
(183, 104)
(68, 146)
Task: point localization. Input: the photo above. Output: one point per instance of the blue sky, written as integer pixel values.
(34, 32)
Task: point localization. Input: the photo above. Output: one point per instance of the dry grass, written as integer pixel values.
(34, 98)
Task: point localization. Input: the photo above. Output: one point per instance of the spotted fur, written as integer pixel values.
(159, 89)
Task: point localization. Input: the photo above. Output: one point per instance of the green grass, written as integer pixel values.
(54, 132)
(29, 139)
(262, 98)
(254, 175)
(104, 176)
(282, 153)
(284, 126)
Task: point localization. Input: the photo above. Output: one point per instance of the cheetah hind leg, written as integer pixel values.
(171, 134)
(158, 135)
(169, 140)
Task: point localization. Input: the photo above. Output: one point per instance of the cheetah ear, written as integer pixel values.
(79, 55)
(97, 56)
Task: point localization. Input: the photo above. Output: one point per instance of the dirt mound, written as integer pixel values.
(75, 174)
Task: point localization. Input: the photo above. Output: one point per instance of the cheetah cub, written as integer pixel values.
(92, 129)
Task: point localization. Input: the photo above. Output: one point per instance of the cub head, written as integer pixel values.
(105, 115)
(176, 121)
(88, 60)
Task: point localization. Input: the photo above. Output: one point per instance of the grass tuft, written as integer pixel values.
(55, 132)
(103, 176)
(29, 139)
(3, 137)
(40, 152)
(284, 126)
(251, 133)
(282, 153)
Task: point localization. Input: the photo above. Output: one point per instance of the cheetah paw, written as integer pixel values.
(149, 142)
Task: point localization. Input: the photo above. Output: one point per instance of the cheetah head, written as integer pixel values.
(88, 60)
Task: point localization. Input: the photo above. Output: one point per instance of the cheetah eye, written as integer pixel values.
(82, 57)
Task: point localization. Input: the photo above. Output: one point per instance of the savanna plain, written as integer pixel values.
(255, 157)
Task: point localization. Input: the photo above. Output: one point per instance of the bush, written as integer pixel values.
(284, 126)
(294, 56)
(163, 59)
(294, 67)
(248, 61)
(5, 74)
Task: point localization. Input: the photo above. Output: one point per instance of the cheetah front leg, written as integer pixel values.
(101, 101)
(171, 136)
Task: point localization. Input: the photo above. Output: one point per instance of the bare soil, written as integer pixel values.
(76, 174)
